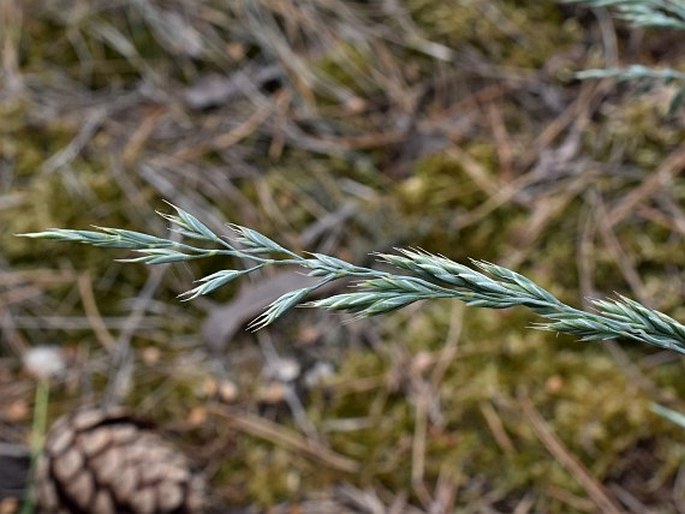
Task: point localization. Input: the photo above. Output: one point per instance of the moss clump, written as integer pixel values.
(583, 394)
(638, 130)
(506, 32)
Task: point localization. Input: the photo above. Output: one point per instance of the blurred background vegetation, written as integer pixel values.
(348, 127)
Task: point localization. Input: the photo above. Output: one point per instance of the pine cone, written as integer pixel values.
(103, 461)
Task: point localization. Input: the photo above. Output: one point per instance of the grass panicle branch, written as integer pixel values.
(634, 73)
(665, 14)
(373, 292)
(655, 14)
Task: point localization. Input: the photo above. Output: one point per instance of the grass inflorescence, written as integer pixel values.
(649, 14)
(375, 292)
(666, 14)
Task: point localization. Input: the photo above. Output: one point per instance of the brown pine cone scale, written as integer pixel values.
(105, 462)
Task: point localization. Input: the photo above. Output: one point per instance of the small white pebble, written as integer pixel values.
(282, 370)
(228, 391)
(319, 374)
(44, 361)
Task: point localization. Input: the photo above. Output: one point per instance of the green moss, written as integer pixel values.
(519, 34)
(636, 129)
(593, 405)
(349, 66)
(584, 395)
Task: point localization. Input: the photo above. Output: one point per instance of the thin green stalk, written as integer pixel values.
(38, 429)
